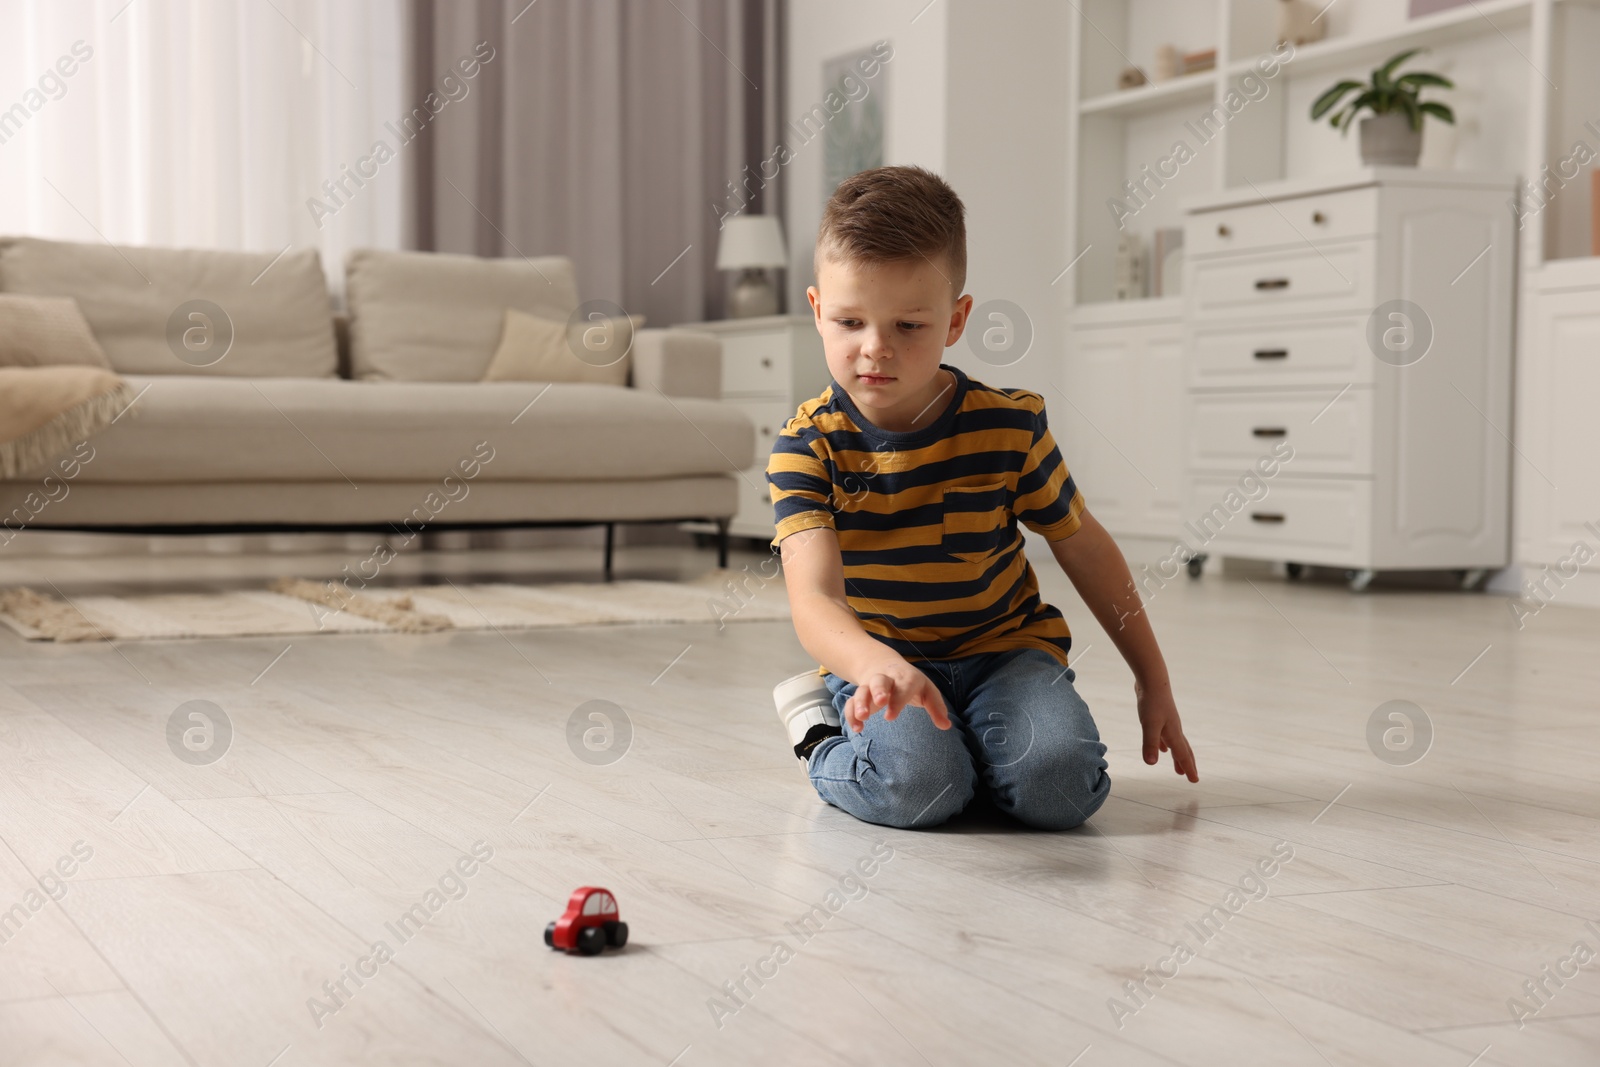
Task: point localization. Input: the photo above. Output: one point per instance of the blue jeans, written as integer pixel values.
(1016, 725)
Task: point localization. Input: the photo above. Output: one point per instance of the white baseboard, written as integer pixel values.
(1580, 591)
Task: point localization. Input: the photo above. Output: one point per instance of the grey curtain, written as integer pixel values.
(616, 132)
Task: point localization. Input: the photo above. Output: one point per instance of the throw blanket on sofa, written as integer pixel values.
(45, 410)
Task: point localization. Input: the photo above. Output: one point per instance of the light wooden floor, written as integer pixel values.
(219, 899)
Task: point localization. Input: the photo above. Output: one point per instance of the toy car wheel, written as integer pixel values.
(550, 935)
(616, 933)
(591, 939)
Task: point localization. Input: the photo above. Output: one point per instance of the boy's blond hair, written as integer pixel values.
(889, 214)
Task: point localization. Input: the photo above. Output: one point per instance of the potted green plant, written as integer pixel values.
(1392, 134)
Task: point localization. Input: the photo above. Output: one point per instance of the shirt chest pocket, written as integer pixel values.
(977, 521)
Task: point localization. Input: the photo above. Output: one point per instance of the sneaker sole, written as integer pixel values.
(804, 701)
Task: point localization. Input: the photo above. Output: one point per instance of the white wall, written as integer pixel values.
(976, 91)
(913, 83)
(1006, 132)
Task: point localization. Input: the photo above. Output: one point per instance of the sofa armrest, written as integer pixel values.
(678, 362)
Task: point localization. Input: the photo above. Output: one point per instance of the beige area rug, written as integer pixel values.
(294, 606)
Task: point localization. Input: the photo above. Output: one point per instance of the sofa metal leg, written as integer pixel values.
(722, 543)
(611, 533)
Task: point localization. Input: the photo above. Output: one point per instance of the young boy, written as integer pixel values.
(897, 495)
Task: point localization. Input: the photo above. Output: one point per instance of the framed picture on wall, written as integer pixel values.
(852, 141)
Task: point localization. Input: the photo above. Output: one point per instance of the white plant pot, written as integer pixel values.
(1389, 140)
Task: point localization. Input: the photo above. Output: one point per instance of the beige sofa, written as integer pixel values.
(266, 415)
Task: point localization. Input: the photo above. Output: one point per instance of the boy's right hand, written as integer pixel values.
(893, 688)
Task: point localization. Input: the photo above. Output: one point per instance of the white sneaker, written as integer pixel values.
(804, 704)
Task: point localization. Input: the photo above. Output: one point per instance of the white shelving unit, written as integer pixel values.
(1147, 98)
(1368, 47)
(1246, 124)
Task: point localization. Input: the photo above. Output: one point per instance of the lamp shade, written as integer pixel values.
(751, 241)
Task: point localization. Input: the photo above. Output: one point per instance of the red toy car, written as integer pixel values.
(589, 924)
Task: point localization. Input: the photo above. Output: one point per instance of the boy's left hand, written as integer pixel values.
(1158, 715)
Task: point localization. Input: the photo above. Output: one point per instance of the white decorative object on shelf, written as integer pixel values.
(1130, 267)
(1166, 262)
(1300, 22)
(1168, 63)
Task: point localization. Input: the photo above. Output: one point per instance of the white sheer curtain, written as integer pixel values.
(199, 123)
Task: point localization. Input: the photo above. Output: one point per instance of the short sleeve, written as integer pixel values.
(1048, 501)
(797, 472)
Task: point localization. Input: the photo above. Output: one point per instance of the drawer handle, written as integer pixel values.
(766, 361)
(1272, 353)
(766, 431)
(1272, 283)
(1318, 217)
(1270, 431)
(1223, 231)
(1267, 516)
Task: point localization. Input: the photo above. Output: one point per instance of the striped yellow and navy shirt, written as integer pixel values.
(927, 518)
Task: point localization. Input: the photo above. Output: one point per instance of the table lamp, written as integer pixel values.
(752, 243)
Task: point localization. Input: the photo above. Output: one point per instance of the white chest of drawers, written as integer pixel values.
(1367, 324)
(770, 366)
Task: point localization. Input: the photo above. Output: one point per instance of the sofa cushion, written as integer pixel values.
(154, 310)
(436, 317)
(194, 429)
(45, 331)
(534, 349)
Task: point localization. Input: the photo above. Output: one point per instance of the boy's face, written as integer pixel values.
(884, 329)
